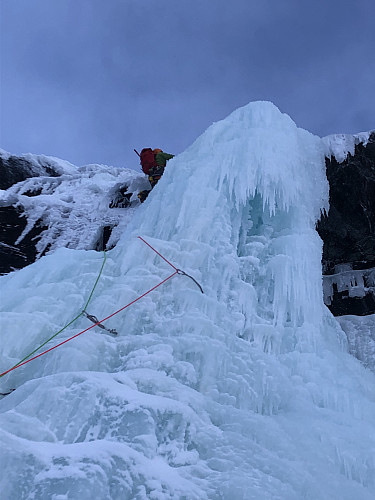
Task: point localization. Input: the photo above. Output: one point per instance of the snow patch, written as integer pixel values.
(340, 145)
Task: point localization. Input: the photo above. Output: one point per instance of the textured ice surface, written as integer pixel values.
(360, 331)
(245, 392)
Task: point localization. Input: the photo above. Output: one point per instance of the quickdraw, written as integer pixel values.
(96, 322)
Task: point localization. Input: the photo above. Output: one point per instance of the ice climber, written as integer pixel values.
(153, 162)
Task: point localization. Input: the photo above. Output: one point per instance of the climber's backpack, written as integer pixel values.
(148, 161)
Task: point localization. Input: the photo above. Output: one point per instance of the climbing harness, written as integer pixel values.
(96, 322)
(93, 318)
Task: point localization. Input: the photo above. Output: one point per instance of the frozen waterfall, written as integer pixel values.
(245, 392)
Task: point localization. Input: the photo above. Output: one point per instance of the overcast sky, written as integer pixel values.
(89, 80)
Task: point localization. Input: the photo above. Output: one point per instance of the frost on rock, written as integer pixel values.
(244, 392)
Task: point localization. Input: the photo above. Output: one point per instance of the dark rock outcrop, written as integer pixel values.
(15, 169)
(348, 232)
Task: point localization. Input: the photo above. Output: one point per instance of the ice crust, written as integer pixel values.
(245, 392)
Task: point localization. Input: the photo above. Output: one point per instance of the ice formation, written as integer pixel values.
(360, 331)
(245, 392)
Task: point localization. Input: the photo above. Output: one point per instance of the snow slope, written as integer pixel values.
(245, 392)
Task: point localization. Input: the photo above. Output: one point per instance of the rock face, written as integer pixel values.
(348, 232)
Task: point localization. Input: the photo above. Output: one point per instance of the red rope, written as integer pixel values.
(152, 248)
(101, 321)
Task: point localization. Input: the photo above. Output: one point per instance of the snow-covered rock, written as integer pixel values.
(47, 203)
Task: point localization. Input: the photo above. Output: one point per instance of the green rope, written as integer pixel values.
(72, 321)
(96, 282)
